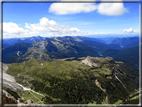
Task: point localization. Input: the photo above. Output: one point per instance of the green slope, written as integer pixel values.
(129, 55)
(68, 82)
(11, 52)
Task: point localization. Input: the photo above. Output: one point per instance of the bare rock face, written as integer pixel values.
(21, 100)
(88, 61)
(7, 98)
(9, 81)
(29, 101)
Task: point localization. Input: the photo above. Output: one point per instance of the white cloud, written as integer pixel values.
(46, 25)
(130, 31)
(109, 9)
(45, 21)
(71, 8)
(49, 28)
(11, 29)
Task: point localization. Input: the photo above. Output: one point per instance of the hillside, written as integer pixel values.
(13, 41)
(133, 44)
(68, 81)
(50, 48)
(14, 51)
(129, 55)
(67, 46)
(126, 42)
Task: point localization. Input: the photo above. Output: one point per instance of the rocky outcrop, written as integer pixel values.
(9, 81)
(7, 98)
(5, 67)
(88, 61)
(29, 101)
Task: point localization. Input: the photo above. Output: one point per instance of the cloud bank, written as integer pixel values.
(130, 31)
(11, 29)
(71, 8)
(50, 28)
(46, 25)
(109, 9)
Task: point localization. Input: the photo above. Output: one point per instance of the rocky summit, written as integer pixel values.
(88, 61)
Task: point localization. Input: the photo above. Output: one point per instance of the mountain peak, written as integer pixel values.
(88, 61)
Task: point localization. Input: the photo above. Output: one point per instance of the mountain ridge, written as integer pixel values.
(126, 41)
(63, 47)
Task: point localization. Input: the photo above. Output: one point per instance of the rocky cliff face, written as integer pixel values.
(7, 98)
(9, 81)
(88, 61)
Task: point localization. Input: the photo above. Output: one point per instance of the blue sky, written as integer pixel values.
(72, 19)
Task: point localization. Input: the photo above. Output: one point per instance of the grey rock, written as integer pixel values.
(88, 61)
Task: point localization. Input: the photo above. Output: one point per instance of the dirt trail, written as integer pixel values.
(28, 89)
(104, 90)
(106, 100)
(99, 85)
(35, 96)
(120, 81)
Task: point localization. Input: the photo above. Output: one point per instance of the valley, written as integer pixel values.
(64, 47)
(71, 70)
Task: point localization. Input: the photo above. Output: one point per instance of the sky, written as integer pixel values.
(70, 19)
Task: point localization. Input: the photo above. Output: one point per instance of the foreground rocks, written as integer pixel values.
(8, 99)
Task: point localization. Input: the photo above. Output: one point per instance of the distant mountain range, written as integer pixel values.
(17, 50)
(101, 40)
(12, 41)
(126, 42)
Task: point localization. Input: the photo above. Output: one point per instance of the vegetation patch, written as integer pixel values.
(69, 82)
